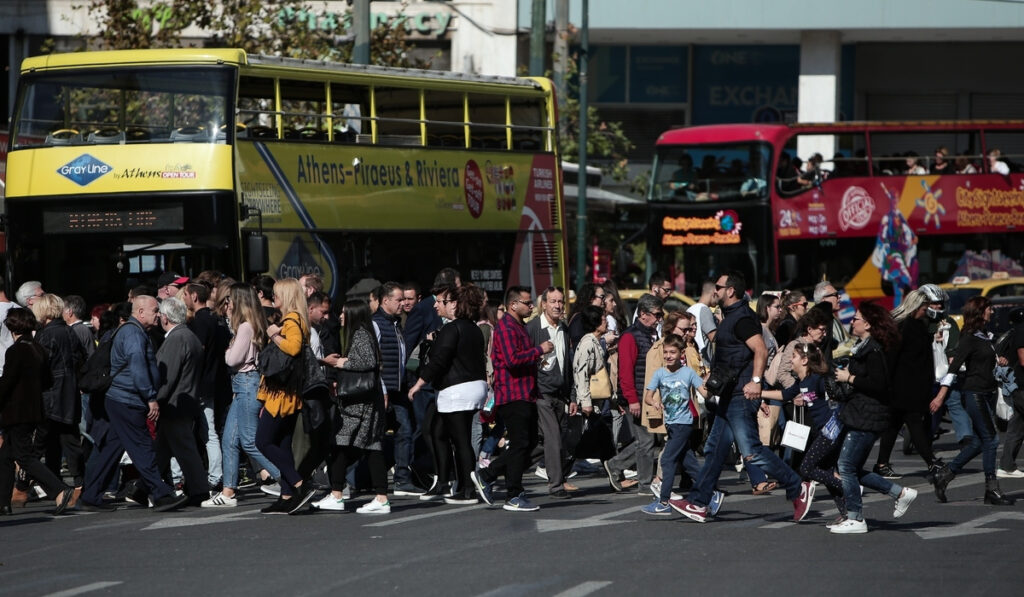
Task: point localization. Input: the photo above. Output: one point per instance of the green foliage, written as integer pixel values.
(289, 28)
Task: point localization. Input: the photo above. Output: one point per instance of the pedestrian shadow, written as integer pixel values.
(16, 520)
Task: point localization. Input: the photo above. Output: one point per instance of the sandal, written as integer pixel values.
(764, 487)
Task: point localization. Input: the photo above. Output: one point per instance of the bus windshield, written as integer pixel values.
(125, 105)
(725, 172)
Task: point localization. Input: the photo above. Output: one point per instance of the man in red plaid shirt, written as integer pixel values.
(515, 400)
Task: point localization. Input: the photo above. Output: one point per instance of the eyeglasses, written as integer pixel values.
(857, 318)
(803, 304)
(656, 314)
(684, 330)
(449, 301)
(527, 303)
(720, 287)
(599, 296)
(830, 295)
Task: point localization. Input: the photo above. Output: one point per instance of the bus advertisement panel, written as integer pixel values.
(315, 197)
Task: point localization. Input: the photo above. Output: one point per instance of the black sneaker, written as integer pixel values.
(560, 494)
(301, 497)
(886, 471)
(438, 492)
(169, 502)
(408, 489)
(281, 506)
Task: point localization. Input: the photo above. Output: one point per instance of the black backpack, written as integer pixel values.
(94, 376)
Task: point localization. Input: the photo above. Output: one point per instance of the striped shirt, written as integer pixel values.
(515, 363)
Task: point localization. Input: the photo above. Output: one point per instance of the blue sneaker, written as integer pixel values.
(482, 488)
(657, 508)
(717, 498)
(520, 504)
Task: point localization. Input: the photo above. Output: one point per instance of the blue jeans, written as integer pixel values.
(404, 440)
(208, 431)
(984, 440)
(854, 453)
(240, 428)
(677, 443)
(737, 417)
(961, 420)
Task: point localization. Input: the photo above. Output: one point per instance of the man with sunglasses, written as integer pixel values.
(634, 345)
(515, 361)
(740, 348)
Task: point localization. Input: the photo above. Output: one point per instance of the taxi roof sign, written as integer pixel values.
(961, 280)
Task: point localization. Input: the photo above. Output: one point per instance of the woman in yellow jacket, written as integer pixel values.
(281, 405)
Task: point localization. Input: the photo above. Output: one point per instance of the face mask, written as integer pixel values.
(935, 314)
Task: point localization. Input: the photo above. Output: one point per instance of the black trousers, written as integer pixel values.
(175, 436)
(343, 456)
(24, 444)
(919, 428)
(520, 419)
(65, 439)
(455, 431)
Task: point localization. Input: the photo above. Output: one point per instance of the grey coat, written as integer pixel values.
(180, 361)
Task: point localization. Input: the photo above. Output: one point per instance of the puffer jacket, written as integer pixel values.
(868, 406)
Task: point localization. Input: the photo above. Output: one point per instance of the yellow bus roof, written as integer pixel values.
(127, 57)
(269, 64)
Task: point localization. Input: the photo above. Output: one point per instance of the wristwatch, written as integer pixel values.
(755, 379)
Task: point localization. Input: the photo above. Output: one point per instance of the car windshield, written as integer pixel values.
(958, 297)
(724, 172)
(125, 105)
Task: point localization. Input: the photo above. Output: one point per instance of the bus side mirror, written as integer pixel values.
(257, 254)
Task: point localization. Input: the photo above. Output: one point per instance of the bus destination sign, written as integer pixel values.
(77, 221)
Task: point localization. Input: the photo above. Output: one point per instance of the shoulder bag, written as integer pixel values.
(601, 385)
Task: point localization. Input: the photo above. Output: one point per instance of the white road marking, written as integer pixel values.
(547, 525)
(971, 527)
(585, 588)
(96, 586)
(177, 522)
(415, 517)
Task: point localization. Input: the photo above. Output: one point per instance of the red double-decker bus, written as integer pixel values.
(875, 207)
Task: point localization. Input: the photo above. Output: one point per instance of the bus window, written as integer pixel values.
(256, 109)
(446, 113)
(122, 105)
(487, 121)
(304, 110)
(398, 116)
(527, 120)
(350, 106)
(1010, 146)
(726, 172)
(916, 153)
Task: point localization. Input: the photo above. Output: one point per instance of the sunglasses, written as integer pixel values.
(720, 287)
(803, 304)
(658, 314)
(830, 295)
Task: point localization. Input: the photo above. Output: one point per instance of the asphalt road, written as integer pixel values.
(596, 544)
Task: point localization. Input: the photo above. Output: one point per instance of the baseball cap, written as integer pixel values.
(170, 278)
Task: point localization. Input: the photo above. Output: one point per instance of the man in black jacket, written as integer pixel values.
(212, 337)
(180, 361)
(554, 382)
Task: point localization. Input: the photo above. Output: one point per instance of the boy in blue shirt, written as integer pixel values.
(674, 384)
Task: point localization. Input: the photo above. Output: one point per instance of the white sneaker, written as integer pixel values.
(850, 527)
(329, 502)
(541, 472)
(273, 489)
(374, 507)
(908, 495)
(1014, 474)
(629, 474)
(219, 501)
(655, 487)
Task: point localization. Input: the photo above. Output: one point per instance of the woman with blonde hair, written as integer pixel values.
(61, 400)
(282, 400)
(911, 387)
(248, 328)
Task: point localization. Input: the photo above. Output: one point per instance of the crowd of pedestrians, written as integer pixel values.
(196, 389)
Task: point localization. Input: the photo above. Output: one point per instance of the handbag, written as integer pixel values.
(315, 384)
(721, 380)
(840, 391)
(796, 434)
(600, 385)
(358, 386)
(275, 365)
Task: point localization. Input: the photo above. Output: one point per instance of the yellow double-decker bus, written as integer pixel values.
(124, 164)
